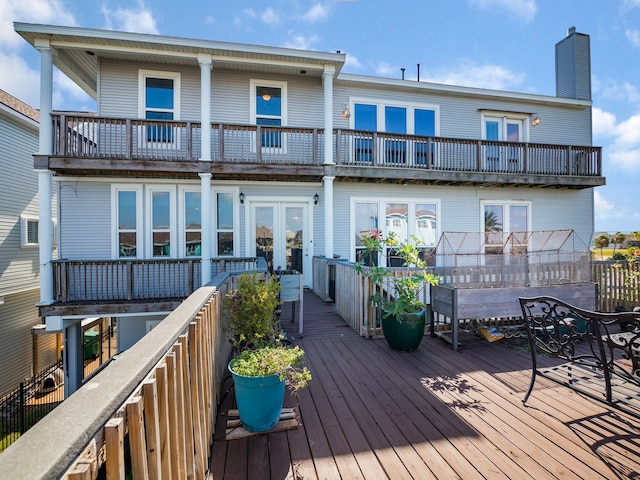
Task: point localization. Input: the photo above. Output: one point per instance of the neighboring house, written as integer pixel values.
(19, 239)
(202, 149)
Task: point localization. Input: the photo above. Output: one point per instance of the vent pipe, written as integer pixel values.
(418, 72)
(402, 73)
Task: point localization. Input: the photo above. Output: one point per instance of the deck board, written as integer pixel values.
(372, 413)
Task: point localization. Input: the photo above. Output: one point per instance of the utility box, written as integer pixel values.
(91, 344)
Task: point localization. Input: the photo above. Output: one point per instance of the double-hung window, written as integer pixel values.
(161, 202)
(500, 219)
(127, 221)
(160, 103)
(191, 222)
(269, 110)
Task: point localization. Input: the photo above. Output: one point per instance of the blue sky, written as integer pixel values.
(501, 44)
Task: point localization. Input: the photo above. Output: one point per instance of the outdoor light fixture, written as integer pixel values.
(241, 198)
(266, 97)
(316, 198)
(535, 121)
(345, 110)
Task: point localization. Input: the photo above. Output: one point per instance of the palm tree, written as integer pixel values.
(618, 238)
(491, 222)
(601, 241)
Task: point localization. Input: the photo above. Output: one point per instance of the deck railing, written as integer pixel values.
(159, 398)
(88, 137)
(127, 280)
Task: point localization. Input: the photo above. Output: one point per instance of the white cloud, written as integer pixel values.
(317, 13)
(301, 41)
(385, 70)
(468, 74)
(134, 19)
(19, 79)
(603, 208)
(352, 62)
(633, 36)
(37, 11)
(624, 151)
(612, 90)
(604, 123)
(523, 9)
(270, 17)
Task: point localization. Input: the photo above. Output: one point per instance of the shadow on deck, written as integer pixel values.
(373, 413)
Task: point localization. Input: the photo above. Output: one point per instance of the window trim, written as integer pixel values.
(505, 117)
(382, 224)
(235, 192)
(182, 242)
(506, 216)
(24, 230)
(148, 214)
(254, 83)
(127, 187)
(143, 74)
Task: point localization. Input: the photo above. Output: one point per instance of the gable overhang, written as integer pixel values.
(77, 52)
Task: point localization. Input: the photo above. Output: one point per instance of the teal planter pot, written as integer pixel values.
(406, 335)
(259, 400)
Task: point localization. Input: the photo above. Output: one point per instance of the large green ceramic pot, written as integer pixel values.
(405, 335)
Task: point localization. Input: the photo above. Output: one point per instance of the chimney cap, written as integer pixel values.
(571, 31)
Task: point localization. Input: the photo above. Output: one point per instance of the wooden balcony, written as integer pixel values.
(90, 287)
(90, 145)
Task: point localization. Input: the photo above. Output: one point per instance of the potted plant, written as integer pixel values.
(263, 361)
(398, 296)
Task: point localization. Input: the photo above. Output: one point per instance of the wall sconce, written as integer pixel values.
(241, 198)
(316, 198)
(535, 121)
(345, 110)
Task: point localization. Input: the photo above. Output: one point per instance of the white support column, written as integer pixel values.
(205, 105)
(205, 204)
(45, 236)
(328, 216)
(205, 155)
(327, 79)
(45, 147)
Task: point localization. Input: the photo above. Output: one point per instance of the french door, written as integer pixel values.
(279, 232)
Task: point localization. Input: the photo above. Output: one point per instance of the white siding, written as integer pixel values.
(17, 315)
(19, 268)
(132, 329)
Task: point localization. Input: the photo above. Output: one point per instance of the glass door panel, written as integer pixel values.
(294, 221)
(263, 224)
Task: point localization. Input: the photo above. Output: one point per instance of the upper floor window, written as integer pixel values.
(269, 109)
(396, 121)
(159, 100)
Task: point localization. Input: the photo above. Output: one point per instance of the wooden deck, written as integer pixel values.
(372, 413)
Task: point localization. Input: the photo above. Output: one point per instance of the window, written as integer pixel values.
(29, 231)
(192, 224)
(126, 220)
(225, 223)
(503, 127)
(395, 121)
(500, 219)
(410, 221)
(161, 202)
(159, 101)
(268, 109)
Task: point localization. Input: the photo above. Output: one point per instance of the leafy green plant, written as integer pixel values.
(274, 360)
(250, 312)
(404, 297)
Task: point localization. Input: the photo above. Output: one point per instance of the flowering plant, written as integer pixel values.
(404, 289)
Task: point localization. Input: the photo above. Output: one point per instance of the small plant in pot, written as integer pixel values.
(397, 291)
(264, 362)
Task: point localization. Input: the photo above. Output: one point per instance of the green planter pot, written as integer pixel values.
(259, 400)
(404, 336)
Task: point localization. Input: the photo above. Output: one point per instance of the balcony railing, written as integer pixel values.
(91, 281)
(90, 137)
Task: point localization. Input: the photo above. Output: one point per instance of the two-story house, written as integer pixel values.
(19, 243)
(203, 150)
